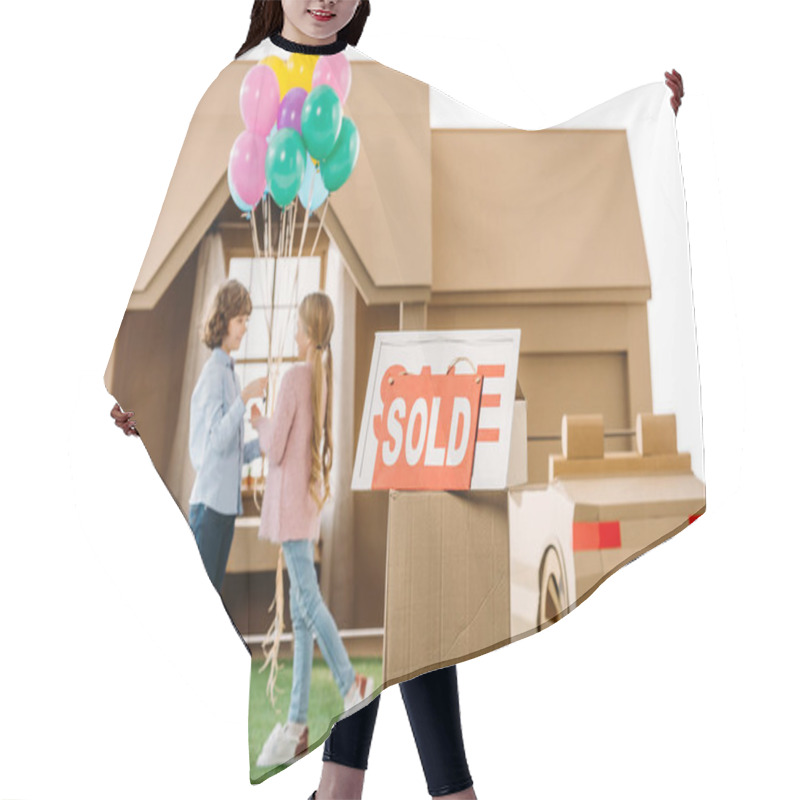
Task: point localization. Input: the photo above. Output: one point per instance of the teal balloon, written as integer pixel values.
(319, 192)
(285, 165)
(336, 168)
(321, 121)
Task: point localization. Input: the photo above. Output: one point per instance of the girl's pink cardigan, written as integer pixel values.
(288, 510)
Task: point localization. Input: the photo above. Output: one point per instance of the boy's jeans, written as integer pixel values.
(213, 533)
(310, 617)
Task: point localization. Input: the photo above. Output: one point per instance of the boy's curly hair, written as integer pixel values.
(232, 299)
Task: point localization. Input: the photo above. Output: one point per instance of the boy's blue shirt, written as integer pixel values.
(216, 436)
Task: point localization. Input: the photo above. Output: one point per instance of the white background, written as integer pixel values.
(121, 675)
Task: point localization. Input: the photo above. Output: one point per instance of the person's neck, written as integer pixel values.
(294, 42)
(294, 34)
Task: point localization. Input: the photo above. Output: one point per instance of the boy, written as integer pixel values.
(216, 431)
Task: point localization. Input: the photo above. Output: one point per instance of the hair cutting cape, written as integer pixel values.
(516, 408)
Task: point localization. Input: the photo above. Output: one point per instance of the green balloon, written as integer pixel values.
(285, 165)
(321, 121)
(336, 168)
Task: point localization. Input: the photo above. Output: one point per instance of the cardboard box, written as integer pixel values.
(464, 570)
(642, 533)
(588, 572)
(582, 436)
(642, 506)
(447, 579)
(635, 497)
(614, 556)
(518, 454)
(656, 434)
(619, 464)
(540, 521)
(586, 583)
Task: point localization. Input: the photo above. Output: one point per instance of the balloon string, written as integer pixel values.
(288, 212)
(266, 215)
(281, 246)
(289, 227)
(289, 246)
(287, 255)
(299, 256)
(269, 224)
(269, 311)
(293, 301)
(305, 218)
(319, 229)
(292, 228)
(313, 248)
(254, 232)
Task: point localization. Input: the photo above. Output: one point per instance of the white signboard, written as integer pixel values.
(438, 410)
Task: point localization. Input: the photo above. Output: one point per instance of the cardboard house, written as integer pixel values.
(436, 229)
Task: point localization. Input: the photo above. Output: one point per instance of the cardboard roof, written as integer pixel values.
(479, 204)
(382, 224)
(535, 210)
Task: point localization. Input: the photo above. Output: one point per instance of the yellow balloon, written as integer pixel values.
(279, 68)
(300, 67)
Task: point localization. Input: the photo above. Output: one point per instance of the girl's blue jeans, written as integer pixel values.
(310, 617)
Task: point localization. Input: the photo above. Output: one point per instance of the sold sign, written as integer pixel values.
(426, 432)
(428, 424)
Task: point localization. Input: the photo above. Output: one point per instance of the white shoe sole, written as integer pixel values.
(369, 687)
(262, 763)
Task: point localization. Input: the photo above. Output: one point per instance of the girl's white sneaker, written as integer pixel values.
(361, 689)
(282, 747)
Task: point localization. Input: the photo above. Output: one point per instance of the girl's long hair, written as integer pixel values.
(266, 18)
(316, 316)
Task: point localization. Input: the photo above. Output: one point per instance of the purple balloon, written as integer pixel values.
(291, 109)
(259, 98)
(246, 167)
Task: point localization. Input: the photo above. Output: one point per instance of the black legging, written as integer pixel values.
(432, 706)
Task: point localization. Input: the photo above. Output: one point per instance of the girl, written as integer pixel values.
(298, 444)
(216, 431)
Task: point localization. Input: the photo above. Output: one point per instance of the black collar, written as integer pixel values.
(308, 49)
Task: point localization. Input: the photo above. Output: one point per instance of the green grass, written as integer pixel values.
(325, 703)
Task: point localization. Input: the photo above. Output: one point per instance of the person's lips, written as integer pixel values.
(322, 16)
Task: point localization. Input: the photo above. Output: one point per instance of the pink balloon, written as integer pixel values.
(259, 99)
(246, 166)
(335, 72)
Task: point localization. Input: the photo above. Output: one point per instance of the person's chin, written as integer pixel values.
(319, 30)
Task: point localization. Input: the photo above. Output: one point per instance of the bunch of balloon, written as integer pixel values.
(297, 145)
(296, 142)
(315, 148)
